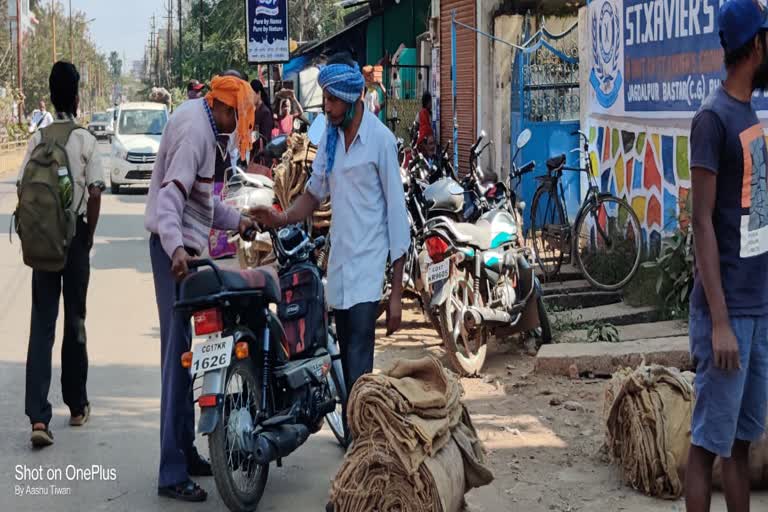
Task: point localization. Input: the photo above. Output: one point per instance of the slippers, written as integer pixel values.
(81, 419)
(187, 491)
(41, 438)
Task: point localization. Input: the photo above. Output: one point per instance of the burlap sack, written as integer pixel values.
(648, 416)
(415, 446)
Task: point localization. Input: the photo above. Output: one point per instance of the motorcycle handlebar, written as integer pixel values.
(527, 168)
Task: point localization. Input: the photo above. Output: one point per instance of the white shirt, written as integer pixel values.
(84, 162)
(39, 120)
(369, 220)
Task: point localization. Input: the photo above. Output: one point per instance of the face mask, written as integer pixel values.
(233, 146)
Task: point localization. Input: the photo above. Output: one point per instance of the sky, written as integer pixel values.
(121, 25)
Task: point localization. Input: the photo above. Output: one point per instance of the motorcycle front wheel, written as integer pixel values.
(466, 349)
(239, 480)
(338, 389)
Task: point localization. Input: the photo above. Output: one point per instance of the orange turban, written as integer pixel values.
(237, 94)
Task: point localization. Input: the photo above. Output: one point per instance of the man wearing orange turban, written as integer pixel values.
(181, 210)
(238, 95)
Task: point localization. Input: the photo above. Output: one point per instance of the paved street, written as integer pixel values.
(124, 386)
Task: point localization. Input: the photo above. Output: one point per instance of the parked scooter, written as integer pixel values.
(480, 277)
(245, 191)
(269, 379)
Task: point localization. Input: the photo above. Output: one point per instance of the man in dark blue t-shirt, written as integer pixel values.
(729, 303)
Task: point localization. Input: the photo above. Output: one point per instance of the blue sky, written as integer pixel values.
(121, 25)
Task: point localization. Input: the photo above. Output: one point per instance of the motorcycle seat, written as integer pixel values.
(200, 284)
(479, 233)
(555, 162)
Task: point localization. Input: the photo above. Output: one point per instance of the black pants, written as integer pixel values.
(356, 328)
(46, 293)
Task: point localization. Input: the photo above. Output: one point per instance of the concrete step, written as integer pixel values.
(591, 299)
(653, 330)
(603, 359)
(558, 288)
(567, 273)
(616, 314)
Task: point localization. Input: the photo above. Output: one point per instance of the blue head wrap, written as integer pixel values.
(346, 83)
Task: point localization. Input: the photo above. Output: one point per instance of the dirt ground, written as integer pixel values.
(544, 457)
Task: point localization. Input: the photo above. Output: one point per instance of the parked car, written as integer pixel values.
(135, 143)
(99, 125)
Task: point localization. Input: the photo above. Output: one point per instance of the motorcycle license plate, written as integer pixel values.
(438, 272)
(212, 354)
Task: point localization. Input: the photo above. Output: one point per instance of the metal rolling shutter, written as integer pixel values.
(466, 76)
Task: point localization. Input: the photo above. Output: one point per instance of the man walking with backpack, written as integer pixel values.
(59, 190)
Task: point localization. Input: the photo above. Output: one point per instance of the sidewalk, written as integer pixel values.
(10, 161)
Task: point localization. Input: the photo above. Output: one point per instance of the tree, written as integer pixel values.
(313, 19)
(38, 56)
(7, 54)
(115, 65)
(223, 27)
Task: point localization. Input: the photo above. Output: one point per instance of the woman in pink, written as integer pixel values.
(284, 124)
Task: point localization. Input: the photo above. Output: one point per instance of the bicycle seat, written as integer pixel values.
(556, 162)
(200, 284)
(479, 233)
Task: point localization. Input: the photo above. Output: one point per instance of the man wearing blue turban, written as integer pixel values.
(356, 164)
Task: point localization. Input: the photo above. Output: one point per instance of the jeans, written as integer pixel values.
(47, 289)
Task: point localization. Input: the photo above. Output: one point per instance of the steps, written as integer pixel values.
(633, 332)
(603, 359)
(580, 300)
(617, 314)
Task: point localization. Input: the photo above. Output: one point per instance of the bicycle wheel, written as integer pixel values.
(609, 243)
(549, 231)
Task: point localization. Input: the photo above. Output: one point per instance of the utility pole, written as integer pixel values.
(152, 51)
(181, 50)
(71, 37)
(18, 49)
(201, 26)
(53, 23)
(169, 44)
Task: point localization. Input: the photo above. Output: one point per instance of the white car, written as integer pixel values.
(135, 143)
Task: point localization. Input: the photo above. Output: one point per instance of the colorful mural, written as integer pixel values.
(648, 167)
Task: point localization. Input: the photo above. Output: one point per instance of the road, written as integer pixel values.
(123, 383)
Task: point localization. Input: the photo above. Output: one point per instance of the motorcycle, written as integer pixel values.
(480, 277)
(269, 379)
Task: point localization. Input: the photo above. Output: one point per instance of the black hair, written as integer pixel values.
(259, 88)
(341, 58)
(64, 83)
(735, 56)
(426, 99)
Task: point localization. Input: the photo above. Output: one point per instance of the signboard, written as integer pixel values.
(654, 58)
(267, 31)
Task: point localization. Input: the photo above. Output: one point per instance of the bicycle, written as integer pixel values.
(605, 237)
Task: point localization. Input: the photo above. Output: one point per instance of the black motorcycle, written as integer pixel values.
(270, 378)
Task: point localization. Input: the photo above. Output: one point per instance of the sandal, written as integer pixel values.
(81, 419)
(41, 437)
(187, 491)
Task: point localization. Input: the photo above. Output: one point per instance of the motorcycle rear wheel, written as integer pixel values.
(242, 394)
(466, 350)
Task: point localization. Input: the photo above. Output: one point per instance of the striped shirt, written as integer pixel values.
(181, 206)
